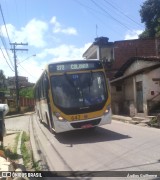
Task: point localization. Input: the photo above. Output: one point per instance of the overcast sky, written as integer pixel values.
(58, 30)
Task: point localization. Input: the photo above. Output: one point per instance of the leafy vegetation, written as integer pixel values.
(150, 15)
(27, 92)
(155, 121)
(3, 86)
(27, 153)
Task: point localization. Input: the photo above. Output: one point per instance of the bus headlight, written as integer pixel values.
(59, 117)
(107, 110)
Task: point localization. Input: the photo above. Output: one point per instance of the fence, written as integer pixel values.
(26, 102)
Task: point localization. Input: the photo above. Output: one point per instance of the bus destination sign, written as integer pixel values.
(74, 66)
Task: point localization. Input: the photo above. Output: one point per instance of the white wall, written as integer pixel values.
(106, 53)
(127, 98)
(150, 85)
(139, 64)
(128, 90)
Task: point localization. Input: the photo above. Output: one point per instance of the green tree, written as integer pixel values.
(27, 92)
(150, 15)
(2, 80)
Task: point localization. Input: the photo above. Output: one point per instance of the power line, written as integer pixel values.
(6, 59)
(1, 35)
(4, 23)
(84, 5)
(26, 71)
(92, 11)
(5, 46)
(122, 13)
(110, 15)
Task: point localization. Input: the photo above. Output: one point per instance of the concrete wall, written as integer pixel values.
(151, 89)
(117, 100)
(125, 101)
(129, 105)
(139, 64)
(107, 53)
(151, 86)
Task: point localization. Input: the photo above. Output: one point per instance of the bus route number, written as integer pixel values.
(60, 67)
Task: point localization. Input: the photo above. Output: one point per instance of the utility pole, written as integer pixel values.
(14, 49)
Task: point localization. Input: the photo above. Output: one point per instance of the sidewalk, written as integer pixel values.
(17, 115)
(16, 162)
(9, 143)
(141, 121)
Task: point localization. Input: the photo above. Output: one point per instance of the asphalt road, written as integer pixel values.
(115, 147)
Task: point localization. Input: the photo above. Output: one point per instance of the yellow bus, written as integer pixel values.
(72, 95)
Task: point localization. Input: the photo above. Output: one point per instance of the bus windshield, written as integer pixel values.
(81, 90)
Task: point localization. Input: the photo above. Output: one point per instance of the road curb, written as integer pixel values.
(35, 155)
(19, 149)
(122, 118)
(18, 115)
(129, 120)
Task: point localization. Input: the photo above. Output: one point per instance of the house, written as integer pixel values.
(133, 67)
(115, 54)
(10, 96)
(135, 90)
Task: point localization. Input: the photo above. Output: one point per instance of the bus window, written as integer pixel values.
(79, 90)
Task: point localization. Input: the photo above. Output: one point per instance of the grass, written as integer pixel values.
(155, 122)
(27, 153)
(26, 150)
(36, 166)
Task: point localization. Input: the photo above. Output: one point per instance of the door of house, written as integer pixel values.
(139, 98)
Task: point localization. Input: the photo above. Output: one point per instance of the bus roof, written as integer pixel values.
(68, 62)
(74, 61)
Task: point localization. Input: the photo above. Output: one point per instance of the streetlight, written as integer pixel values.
(27, 58)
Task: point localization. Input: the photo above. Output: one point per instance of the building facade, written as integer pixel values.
(133, 67)
(136, 89)
(115, 54)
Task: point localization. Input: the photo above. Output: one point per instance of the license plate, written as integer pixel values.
(87, 126)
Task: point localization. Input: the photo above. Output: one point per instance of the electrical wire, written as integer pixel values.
(123, 13)
(2, 35)
(4, 23)
(6, 59)
(5, 46)
(100, 7)
(26, 71)
(92, 11)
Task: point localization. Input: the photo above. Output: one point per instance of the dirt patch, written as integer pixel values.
(9, 140)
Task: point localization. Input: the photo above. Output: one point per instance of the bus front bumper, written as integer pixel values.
(63, 126)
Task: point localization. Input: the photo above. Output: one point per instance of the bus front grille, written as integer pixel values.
(81, 124)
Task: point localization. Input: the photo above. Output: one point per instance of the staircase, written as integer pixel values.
(155, 110)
